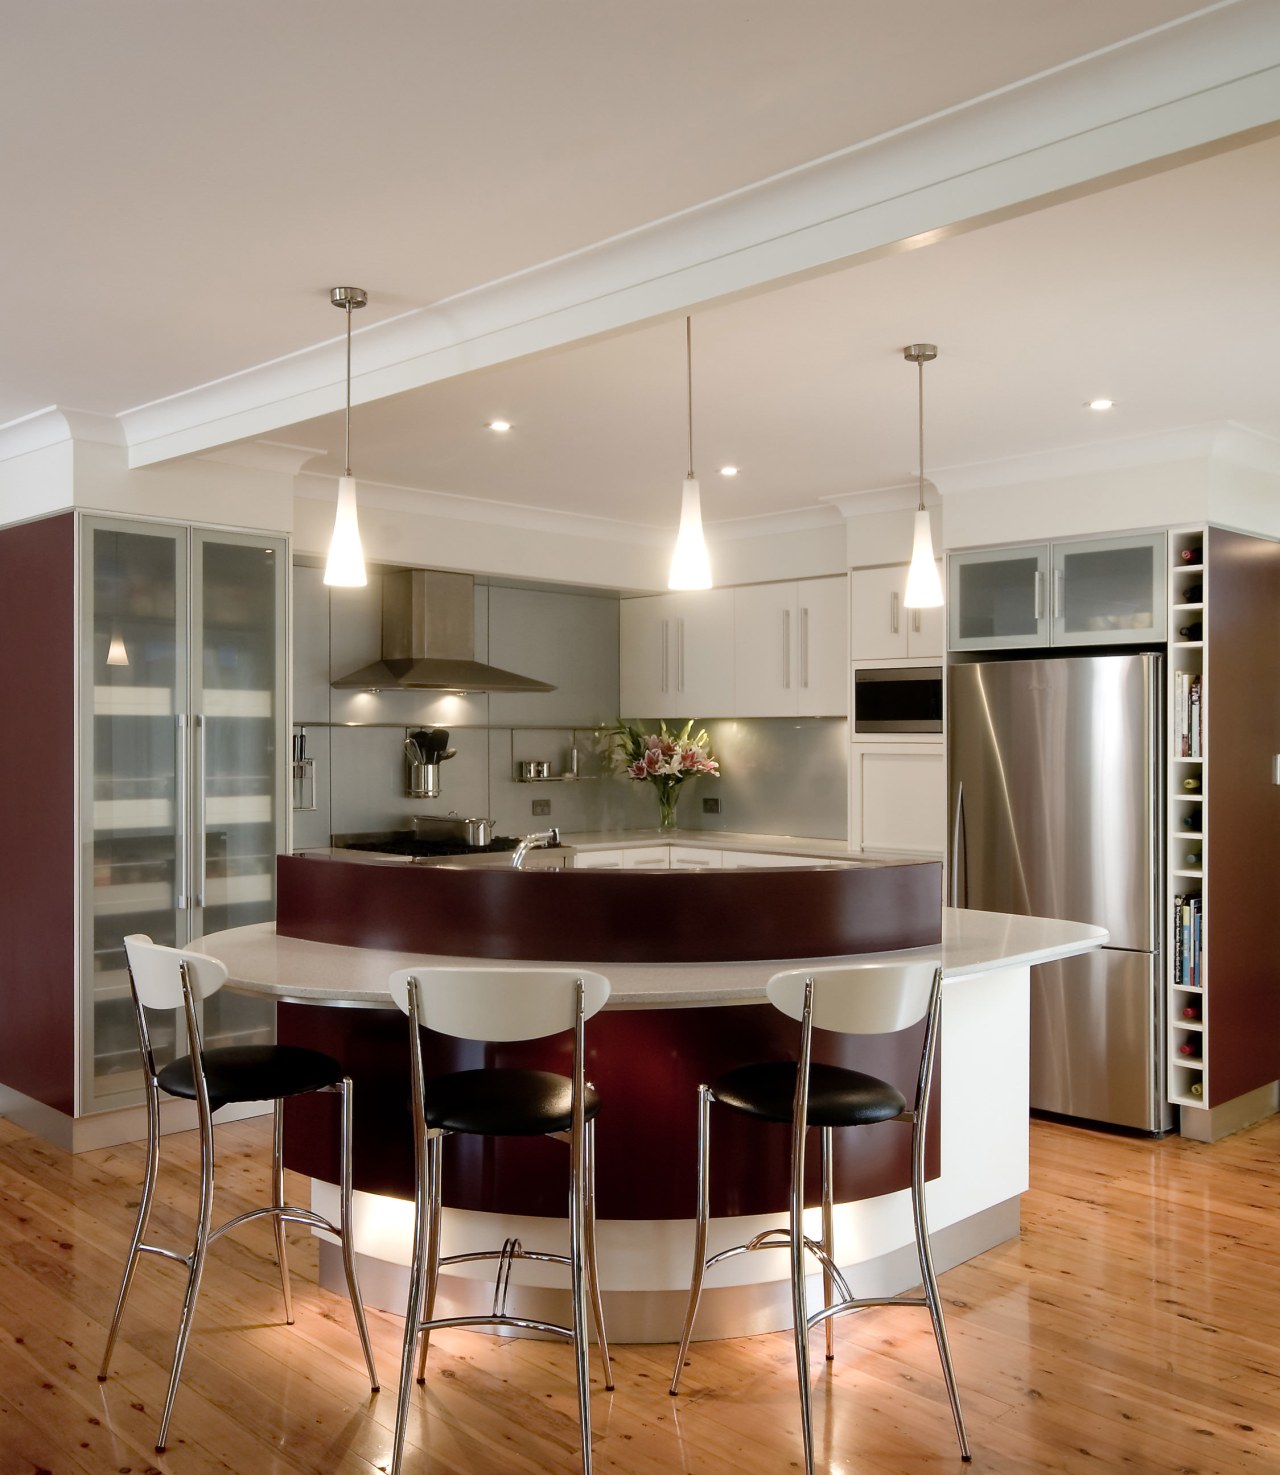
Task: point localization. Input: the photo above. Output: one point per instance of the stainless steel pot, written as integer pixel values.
(470, 831)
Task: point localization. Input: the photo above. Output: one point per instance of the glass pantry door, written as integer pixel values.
(133, 784)
(238, 704)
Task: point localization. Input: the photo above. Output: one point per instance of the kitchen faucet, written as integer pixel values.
(543, 840)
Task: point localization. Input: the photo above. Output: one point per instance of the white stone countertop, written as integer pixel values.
(294, 970)
(738, 840)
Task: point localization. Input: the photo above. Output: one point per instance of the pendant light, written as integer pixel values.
(345, 566)
(924, 589)
(690, 566)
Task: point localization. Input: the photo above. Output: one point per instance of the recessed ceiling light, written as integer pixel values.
(499, 425)
(1100, 404)
(728, 471)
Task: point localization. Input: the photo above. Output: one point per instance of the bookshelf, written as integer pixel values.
(1186, 924)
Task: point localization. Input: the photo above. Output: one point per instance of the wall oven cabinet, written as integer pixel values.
(182, 709)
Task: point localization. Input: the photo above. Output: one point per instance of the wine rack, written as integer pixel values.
(1186, 922)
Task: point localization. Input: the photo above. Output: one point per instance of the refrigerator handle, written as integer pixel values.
(1039, 595)
(202, 802)
(957, 834)
(182, 802)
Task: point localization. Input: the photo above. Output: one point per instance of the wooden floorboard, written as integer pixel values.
(1134, 1326)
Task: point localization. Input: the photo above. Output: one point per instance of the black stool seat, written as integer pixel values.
(252, 1073)
(504, 1103)
(838, 1097)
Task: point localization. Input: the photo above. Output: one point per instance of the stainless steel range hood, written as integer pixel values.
(429, 641)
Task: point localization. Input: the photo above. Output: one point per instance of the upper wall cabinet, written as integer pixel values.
(881, 627)
(791, 649)
(1096, 591)
(676, 655)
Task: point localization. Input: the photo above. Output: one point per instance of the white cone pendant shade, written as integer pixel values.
(345, 567)
(117, 655)
(690, 566)
(924, 588)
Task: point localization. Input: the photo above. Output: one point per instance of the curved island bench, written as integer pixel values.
(670, 1024)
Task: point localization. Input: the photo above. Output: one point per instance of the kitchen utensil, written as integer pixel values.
(468, 831)
(413, 752)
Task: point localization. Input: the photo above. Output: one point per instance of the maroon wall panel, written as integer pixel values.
(615, 916)
(37, 836)
(1242, 813)
(647, 1065)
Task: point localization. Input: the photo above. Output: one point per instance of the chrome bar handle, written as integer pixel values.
(666, 635)
(1039, 595)
(201, 817)
(182, 806)
(915, 621)
(893, 613)
(804, 646)
(786, 650)
(1057, 594)
(957, 827)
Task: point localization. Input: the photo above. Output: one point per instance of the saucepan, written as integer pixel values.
(468, 831)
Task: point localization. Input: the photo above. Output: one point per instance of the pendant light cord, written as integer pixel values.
(347, 446)
(688, 348)
(920, 368)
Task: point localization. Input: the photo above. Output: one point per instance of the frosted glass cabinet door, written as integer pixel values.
(1109, 591)
(133, 780)
(997, 599)
(237, 702)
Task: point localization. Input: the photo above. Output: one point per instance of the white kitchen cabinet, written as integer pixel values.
(695, 858)
(898, 797)
(646, 858)
(881, 627)
(747, 860)
(676, 655)
(791, 649)
(597, 860)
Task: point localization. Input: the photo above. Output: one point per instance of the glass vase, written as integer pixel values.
(668, 794)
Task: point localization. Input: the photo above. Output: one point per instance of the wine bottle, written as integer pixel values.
(1192, 554)
(1193, 631)
(1191, 821)
(1196, 1088)
(1193, 859)
(1191, 1012)
(1187, 1047)
(1192, 785)
(1192, 594)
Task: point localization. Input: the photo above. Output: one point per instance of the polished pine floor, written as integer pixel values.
(1134, 1327)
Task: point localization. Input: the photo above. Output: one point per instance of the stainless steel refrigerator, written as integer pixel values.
(1055, 774)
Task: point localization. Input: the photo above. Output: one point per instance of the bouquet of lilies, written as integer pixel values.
(665, 758)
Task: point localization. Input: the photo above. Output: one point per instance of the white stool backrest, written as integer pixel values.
(858, 998)
(500, 1003)
(157, 974)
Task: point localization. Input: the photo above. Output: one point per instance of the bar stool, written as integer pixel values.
(498, 1005)
(855, 999)
(166, 978)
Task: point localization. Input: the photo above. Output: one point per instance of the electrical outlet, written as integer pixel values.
(711, 806)
(542, 806)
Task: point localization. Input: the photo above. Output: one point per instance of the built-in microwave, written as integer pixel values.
(897, 699)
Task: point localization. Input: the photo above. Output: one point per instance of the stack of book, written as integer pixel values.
(1188, 940)
(1186, 714)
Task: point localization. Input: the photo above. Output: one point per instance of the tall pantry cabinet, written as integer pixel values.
(147, 773)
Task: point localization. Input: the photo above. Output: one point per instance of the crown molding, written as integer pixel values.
(904, 498)
(263, 455)
(1225, 441)
(770, 524)
(56, 425)
(1178, 90)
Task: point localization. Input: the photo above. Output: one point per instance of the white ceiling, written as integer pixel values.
(184, 182)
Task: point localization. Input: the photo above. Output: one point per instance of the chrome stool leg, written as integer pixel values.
(424, 1228)
(196, 1272)
(347, 1228)
(700, 1232)
(930, 1279)
(435, 1169)
(799, 1309)
(593, 1272)
(277, 1201)
(828, 1236)
(150, 1173)
(578, 1278)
